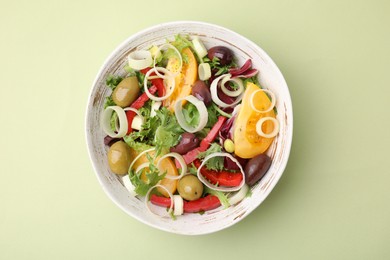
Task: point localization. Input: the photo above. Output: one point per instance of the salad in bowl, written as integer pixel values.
(189, 130)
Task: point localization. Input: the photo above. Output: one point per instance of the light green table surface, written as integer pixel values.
(333, 201)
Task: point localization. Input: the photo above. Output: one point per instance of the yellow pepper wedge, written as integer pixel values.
(185, 79)
(247, 142)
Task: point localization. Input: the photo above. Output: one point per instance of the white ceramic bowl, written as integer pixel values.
(211, 35)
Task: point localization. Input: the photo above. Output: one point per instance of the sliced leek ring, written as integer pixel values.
(178, 205)
(139, 60)
(204, 71)
(199, 47)
(273, 100)
(260, 123)
(147, 203)
(239, 195)
(105, 121)
(232, 93)
(169, 46)
(215, 187)
(180, 159)
(214, 93)
(139, 156)
(203, 114)
(167, 75)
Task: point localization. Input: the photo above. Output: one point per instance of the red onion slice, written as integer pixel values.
(238, 71)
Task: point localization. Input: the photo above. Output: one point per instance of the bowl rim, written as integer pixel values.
(289, 112)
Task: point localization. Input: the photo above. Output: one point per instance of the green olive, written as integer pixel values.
(190, 187)
(126, 92)
(119, 157)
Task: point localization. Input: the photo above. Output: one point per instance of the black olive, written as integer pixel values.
(223, 53)
(187, 142)
(256, 168)
(201, 91)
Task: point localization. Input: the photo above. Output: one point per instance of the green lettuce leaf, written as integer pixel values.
(153, 176)
(112, 81)
(215, 163)
(168, 132)
(191, 114)
(108, 102)
(161, 131)
(216, 66)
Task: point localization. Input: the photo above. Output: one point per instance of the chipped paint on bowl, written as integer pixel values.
(211, 35)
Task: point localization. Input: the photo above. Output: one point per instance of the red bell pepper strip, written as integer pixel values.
(205, 143)
(160, 201)
(141, 100)
(137, 104)
(222, 178)
(190, 156)
(130, 116)
(202, 204)
(158, 82)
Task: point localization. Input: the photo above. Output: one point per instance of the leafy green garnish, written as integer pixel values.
(172, 215)
(136, 145)
(221, 196)
(180, 43)
(145, 136)
(108, 102)
(129, 70)
(215, 163)
(168, 133)
(216, 65)
(213, 116)
(140, 76)
(153, 176)
(191, 114)
(161, 131)
(253, 80)
(233, 85)
(112, 81)
(249, 193)
(192, 169)
(203, 133)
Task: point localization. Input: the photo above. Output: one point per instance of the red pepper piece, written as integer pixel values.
(205, 143)
(160, 201)
(158, 82)
(189, 157)
(222, 178)
(202, 204)
(137, 104)
(141, 100)
(130, 116)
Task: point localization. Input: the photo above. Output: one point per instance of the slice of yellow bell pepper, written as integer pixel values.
(247, 142)
(185, 79)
